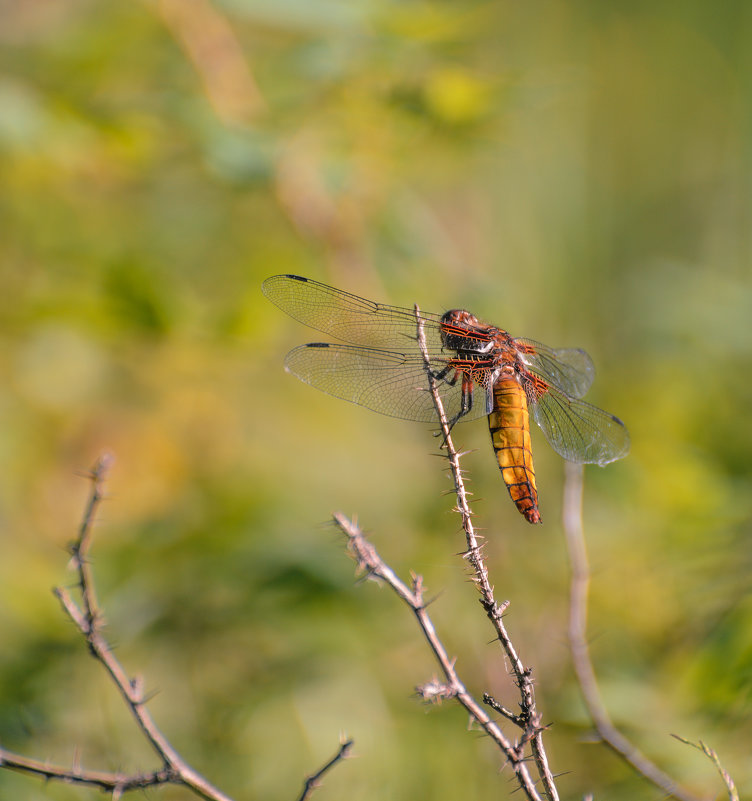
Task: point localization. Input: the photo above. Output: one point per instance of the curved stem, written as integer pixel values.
(583, 666)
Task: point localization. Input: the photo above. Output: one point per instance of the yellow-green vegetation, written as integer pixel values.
(578, 173)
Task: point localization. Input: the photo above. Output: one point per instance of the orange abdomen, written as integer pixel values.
(510, 436)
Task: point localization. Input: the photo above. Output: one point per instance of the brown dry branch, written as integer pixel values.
(528, 719)
(312, 781)
(369, 561)
(114, 783)
(88, 618)
(583, 666)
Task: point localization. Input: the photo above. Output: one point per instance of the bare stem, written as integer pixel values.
(529, 718)
(583, 666)
(88, 619)
(114, 783)
(452, 687)
(312, 781)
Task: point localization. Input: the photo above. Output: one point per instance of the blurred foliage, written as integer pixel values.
(580, 173)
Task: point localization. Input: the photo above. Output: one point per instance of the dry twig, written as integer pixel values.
(312, 781)
(528, 720)
(583, 666)
(369, 560)
(89, 620)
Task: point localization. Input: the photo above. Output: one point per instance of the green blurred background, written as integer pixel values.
(579, 173)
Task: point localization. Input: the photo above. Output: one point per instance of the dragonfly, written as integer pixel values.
(479, 370)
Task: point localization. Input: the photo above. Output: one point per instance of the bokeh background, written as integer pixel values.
(579, 173)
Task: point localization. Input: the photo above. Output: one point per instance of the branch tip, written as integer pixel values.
(312, 781)
(733, 793)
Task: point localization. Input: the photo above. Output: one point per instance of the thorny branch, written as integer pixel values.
(528, 719)
(312, 781)
(114, 783)
(89, 620)
(580, 584)
(452, 687)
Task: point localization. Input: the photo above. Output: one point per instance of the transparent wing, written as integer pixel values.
(569, 369)
(383, 370)
(578, 431)
(348, 317)
(386, 381)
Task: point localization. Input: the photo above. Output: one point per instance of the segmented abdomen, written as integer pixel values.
(510, 436)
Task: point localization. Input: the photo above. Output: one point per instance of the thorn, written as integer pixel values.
(76, 766)
(137, 689)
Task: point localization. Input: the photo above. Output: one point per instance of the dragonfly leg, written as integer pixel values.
(466, 403)
(441, 375)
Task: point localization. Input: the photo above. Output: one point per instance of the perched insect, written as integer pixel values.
(379, 365)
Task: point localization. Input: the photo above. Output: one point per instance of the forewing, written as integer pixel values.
(348, 317)
(578, 431)
(389, 382)
(569, 369)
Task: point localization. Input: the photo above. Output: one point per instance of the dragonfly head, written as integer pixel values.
(464, 332)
